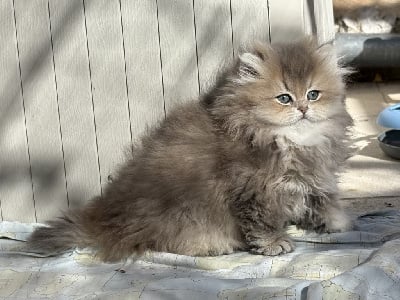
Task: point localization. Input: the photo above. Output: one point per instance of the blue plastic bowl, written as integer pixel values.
(390, 117)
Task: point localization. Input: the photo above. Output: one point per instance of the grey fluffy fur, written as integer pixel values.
(230, 171)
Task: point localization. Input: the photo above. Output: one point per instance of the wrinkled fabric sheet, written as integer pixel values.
(361, 264)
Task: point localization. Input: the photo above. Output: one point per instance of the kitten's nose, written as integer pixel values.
(303, 109)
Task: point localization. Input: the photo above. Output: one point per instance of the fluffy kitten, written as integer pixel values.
(230, 171)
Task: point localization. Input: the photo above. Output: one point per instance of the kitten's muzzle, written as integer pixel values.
(303, 109)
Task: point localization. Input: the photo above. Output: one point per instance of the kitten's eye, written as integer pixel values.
(313, 95)
(285, 99)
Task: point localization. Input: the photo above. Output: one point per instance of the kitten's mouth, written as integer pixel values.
(302, 121)
(294, 123)
(303, 118)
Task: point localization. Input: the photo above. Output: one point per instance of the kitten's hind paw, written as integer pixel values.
(338, 222)
(280, 246)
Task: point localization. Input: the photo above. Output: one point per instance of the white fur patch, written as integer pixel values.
(306, 133)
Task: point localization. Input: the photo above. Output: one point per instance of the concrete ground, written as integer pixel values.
(372, 179)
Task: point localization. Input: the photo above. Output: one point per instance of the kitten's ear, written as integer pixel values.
(330, 57)
(251, 63)
(326, 50)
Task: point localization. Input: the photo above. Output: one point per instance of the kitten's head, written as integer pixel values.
(287, 86)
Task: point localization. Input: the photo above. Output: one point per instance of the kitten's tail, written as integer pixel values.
(61, 235)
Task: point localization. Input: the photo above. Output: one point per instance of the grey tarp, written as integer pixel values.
(361, 264)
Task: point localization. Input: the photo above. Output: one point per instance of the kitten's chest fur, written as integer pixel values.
(285, 176)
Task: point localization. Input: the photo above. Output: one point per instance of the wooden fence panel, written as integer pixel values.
(41, 107)
(143, 65)
(74, 98)
(213, 38)
(178, 51)
(250, 21)
(83, 79)
(324, 21)
(286, 21)
(108, 78)
(16, 195)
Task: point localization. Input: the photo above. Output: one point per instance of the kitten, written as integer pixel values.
(229, 172)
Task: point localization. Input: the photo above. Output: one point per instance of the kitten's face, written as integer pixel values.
(291, 85)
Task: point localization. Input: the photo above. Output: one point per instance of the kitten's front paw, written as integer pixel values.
(280, 246)
(218, 252)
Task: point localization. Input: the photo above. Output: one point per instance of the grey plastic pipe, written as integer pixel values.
(369, 50)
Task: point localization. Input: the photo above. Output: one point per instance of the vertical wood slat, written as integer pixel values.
(40, 98)
(309, 22)
(250, 21)
(74, 98)
(16, 195)
(178, 51)
(142, 52)
(213, 37)
(324, 21)
(286, 20)
(108, 78)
